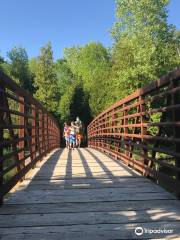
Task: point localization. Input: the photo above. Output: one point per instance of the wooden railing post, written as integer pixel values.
(143, 132)
(53, 135)
(114, 131)
(48, 133)
(21, 134)
(40, 131)
(21, 131)
(33, 132)
(50, 137)
(126, 145)
(45, 133)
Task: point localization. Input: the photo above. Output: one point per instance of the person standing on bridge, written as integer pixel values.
(66, 133)
(78, 125)
(72, 136)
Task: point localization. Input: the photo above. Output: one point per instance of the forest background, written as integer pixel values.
(89, 78)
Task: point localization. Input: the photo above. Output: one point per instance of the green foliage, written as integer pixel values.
(80, 105)
(176, 38)
(75, 103)
(90, 78)
(4, 66)
(132, 66)
(144, 47)
(1, 62)
(46, 80)
(135, 16)
(91, 66)
(33, 66)
(155, 118)
(65, 103)
(64, 76)
(71, 55)
(18, 68)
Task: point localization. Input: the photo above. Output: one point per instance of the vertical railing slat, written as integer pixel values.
(28, 126)
(21, 131)
(148, 130)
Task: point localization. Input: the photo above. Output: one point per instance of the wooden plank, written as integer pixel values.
(123, 180)
(70, 197)
(79, 184)
(89, 232)
(86, 193)
(51, 219)
(90, 206)
(47, 198)
(81, 174)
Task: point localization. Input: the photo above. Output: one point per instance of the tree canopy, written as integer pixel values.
(89, 78)
(144, 47)
(18, 68)
(46, 79)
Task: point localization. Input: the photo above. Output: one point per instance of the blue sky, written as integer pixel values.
(32, 23)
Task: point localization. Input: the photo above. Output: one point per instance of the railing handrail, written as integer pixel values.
(14, 87)
(146, 89)
(144, 132)
(31, 132)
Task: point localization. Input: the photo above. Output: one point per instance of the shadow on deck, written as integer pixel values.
(84, 194)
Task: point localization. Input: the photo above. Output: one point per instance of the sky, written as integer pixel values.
(65, 23)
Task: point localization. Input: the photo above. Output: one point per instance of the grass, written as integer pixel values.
(7, 163)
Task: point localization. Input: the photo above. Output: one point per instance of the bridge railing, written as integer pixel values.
(143, 130)
(27, 133)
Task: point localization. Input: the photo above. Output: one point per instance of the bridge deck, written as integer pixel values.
(84, 194)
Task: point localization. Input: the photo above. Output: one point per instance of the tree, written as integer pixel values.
(75, 102)
(64, 74)
(80, 105)
(144, 48)
(71, 55)
(33, 66)
(19, 69)
(1, 60)
(177, 41)
(65, 103)
(90, 66)
(46, 80)
(3, 64)
(94, 67)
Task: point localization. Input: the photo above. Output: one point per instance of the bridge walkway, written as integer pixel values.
(85, 194)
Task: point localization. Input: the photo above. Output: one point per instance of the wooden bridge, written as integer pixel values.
(125, 185)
